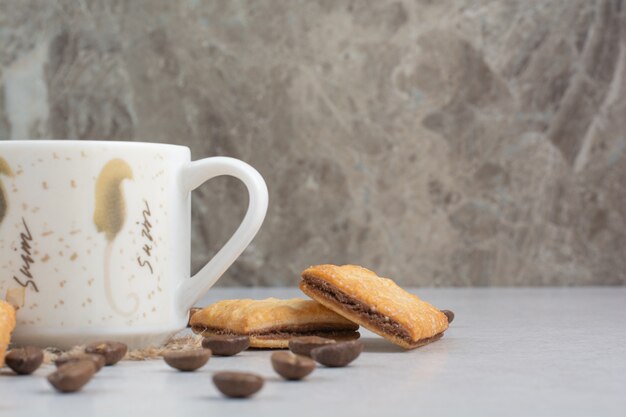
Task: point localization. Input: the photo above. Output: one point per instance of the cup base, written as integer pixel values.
(67, 338)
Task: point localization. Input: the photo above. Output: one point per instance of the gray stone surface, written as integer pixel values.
(439, 143)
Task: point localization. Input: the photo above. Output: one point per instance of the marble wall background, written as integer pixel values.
(437, 142)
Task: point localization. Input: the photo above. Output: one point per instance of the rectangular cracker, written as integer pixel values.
(270, 323)
(375, 303)
(7, 324)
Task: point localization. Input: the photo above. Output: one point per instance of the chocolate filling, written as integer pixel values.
(330, 332)
(376, 319)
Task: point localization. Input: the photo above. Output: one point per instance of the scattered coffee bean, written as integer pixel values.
(97, 360)
(187, 360)
(113, 352)
(72, 376)
(226, 345)
(24, 361)
(292, 367)
(338, 354)
(304, 344)
(449, 314)
(192, 311)
(237, 384)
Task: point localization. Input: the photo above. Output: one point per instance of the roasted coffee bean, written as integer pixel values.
(192, 311)
(24, 361)
(72, 376)
(338, 354)
(226, 345)
(187, 360)
(237, 384)
(113, 352)
(292, 367)
(304, 344)
(449, 314)
(97, 360)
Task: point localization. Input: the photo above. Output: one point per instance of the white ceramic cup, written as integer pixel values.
(95, 238)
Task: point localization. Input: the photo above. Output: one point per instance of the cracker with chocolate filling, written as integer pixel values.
(7, 323)
(375, 303)
(272, 322)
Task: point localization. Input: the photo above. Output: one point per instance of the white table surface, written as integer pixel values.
(509, 352)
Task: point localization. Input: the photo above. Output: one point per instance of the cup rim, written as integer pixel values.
(75, 142)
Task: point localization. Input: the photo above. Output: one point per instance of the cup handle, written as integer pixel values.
(195, 174)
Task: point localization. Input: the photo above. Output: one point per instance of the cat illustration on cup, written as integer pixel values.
(5, 169)
(109, 217)
(14, 295)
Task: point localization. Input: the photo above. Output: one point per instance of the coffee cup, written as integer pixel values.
(95, 238)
